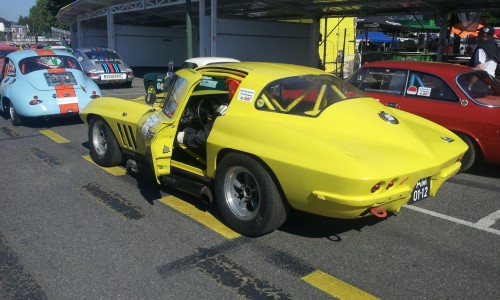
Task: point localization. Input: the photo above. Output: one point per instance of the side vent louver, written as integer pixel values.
(127, 136)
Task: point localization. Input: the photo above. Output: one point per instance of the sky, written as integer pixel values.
(10, 10)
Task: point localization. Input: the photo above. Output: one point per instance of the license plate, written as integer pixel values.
(114, 76)
(421, 190)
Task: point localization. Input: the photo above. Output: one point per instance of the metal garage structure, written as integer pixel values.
(229, 27)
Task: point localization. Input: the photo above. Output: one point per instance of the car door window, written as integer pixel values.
(383, 80)
(429, 86)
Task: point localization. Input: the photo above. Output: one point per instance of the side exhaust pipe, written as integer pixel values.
(190, 187)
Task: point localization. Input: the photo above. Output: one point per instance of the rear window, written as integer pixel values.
(306, 95)
(36, 63)
(102, 54)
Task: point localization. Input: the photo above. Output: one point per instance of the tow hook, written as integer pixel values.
(378, 212)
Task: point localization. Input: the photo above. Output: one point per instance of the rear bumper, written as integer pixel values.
(350, 207)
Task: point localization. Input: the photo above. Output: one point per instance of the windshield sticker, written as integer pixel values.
(149, 122)
(424, 91)
(412, 90)
(246, 95)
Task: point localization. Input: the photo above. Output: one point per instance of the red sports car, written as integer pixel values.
(462, 99)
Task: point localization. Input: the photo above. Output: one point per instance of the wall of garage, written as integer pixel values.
(265, 41)
(142, 46)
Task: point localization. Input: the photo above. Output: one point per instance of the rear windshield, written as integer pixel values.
(36, 63)
(102, 54)
(306, 95)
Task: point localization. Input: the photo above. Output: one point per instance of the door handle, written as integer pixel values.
(392, 104)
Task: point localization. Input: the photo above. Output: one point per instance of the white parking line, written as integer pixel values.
(489, 219)
(482, 224)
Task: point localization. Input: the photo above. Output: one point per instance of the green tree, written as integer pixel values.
(43, 16)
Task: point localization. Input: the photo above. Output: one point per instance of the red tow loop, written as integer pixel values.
(378, 212)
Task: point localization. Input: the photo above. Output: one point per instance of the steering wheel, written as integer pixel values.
(203, 111)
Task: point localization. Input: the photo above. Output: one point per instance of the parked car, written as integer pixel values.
(104, 66)
(36, 83)
(6, 49)
(154, 82)
(462, 99)
(292, 137)
(59, 47)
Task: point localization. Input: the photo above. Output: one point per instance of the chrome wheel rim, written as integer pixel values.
(151, 89)
(99, 138)
(242, 193)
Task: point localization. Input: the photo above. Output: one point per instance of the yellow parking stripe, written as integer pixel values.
(336, 287)
(116, 171)
(202, 217)
(54, 136)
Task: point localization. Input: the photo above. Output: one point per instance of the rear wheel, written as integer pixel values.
(247, 196)
(471, 155)
(104, 149)
(14, 117)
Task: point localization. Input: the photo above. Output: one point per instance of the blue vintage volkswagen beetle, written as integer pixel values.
(39, 83)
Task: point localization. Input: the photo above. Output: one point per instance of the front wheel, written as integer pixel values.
(104, 149)
(247, 196)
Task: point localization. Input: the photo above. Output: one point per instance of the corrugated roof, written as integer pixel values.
(172, 12)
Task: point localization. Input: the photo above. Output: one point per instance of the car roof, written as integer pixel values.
(424, 66)
(264, 70)
(18, 55)
(202, 61)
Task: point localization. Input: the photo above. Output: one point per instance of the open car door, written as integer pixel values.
(160, 129)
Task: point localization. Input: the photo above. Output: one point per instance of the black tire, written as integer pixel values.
(247, 196)
(104, 149)
(127, 84)
(470, 156)
(15, 119)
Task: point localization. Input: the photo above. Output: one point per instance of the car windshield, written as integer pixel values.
(480, 87)
(102, 54)
(175, 95)
(36, 63)
(305, 95)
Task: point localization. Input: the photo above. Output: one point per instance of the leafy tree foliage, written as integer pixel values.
(43, 16)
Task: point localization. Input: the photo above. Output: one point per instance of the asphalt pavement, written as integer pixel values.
(72, 230)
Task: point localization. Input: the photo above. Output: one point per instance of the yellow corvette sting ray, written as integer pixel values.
(292, 137)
